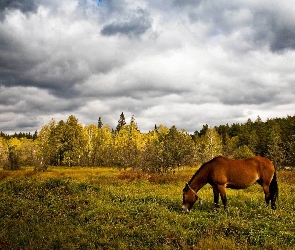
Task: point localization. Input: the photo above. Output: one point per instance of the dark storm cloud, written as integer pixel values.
(134, 25)
(58, 77)
(284, 39)
(25, 6)
(275, 29)
(22, 5)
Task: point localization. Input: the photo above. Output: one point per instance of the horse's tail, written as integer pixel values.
(274, 190)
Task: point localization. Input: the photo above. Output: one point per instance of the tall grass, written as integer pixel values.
(107, 209)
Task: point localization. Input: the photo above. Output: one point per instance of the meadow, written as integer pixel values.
(104, 208)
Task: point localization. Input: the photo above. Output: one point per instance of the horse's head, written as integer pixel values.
(189, 198)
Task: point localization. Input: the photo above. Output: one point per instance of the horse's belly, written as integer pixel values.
(234, 186)
(241, 184)
(241, 181)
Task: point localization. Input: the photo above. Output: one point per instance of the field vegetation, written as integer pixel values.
(106, 208)
(54, 195)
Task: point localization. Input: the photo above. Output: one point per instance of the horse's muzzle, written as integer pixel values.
(185, 209)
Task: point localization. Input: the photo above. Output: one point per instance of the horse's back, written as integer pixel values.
(240, 173)
(257, 163)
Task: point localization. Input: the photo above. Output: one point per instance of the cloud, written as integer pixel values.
(23, 6)
(26, 6)
(282, 34)
(183, 63)
(134, 25)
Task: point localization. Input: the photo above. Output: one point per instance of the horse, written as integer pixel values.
(222, 173)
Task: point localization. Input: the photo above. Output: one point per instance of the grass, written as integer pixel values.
(103, 208)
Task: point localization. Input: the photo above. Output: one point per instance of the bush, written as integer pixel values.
(243, 152)
(40, 168)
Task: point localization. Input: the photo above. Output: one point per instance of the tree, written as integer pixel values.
(152, 157)
(121, 122)
(166, 149)
(44, 150)
(261, 131)
(128, 143)
(253, 143)
(243, 152)
(3, 151)
(274, 146)
(209, 145)
(28, 152)
(230, 145)
(99, 123)
(89, 151)
(73, 142)
(13, 159)
(178, 148)
(202, 131)
(132, 121)
(103, 154)
(290, 148)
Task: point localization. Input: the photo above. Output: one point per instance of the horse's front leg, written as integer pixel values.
(216, 198)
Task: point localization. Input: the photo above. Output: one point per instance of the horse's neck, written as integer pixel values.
(199, 181)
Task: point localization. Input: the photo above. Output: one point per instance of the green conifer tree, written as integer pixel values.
(121, 122)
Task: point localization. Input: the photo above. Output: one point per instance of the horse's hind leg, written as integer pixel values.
(273, 202)
(266, 193)
(273, 197)
(274, 191)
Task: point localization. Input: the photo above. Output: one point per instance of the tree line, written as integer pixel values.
(69, 143)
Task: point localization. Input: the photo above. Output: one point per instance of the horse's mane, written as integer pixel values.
(203, 166)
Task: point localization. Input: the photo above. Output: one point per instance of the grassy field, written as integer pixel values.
(103, 208)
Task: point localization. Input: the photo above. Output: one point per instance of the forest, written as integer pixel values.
(161, 150)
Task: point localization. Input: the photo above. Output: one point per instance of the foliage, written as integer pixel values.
(242, 152)
(167, 149)
(274, 147)
(121, 122)
(274, 138)
(162, 150)
(103, 209)
(13, 159)
(3, 151)
(209, 145)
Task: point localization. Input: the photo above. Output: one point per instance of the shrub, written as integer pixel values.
(243, 152)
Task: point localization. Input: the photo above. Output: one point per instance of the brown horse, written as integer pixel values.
(222, 173)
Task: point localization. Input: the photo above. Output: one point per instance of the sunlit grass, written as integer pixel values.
(104, 208)
(79, 173)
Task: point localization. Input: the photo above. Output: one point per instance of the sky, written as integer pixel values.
(180, 62)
